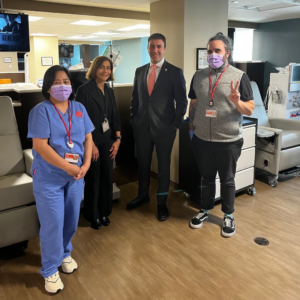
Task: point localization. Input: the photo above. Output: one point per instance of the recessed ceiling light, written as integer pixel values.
(235, 2)
(75, 37)
(90, 23)
(82, 37)
(89, 37)
(105, 33)
(34, 19)
(43, 34)
(135, 27)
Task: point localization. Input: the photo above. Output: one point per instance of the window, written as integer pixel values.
(243, 44)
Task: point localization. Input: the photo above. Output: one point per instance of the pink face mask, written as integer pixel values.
(215, 60)
(61, 92)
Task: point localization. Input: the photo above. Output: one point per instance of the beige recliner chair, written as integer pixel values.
(18, 215)
(277, 142)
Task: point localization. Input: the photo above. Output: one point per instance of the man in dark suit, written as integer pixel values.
(155, 119)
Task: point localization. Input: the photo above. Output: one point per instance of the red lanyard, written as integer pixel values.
(212, 91)
(70, 121)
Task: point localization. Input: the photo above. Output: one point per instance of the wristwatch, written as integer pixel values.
(118, 138)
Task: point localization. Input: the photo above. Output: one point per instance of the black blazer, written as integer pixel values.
(158, 110)
(88, 95)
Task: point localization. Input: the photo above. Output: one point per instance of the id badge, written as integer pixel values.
(210, 113)
(72, 158)
(105, 125)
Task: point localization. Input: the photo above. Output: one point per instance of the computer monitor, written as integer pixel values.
(14, 33)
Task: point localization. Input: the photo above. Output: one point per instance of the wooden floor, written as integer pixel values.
(137, 257)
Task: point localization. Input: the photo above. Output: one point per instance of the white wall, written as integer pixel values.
(41, 47)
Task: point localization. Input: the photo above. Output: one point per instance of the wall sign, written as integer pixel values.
(47, 61)
(201, 58)
(7, 60)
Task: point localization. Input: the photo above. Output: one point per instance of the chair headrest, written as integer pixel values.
(8, 124)
(259, 111)
(256, 94)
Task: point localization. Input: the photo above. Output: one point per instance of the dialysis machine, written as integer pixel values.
(284, 91)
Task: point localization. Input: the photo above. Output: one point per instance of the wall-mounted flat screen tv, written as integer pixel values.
(14, 33)
(66, 50)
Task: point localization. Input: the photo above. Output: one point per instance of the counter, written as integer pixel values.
(26, 95)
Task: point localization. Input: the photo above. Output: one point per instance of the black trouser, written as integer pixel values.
(98, 191)
(213, 157)
(144, 147)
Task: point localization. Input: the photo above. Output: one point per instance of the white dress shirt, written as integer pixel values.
(157, 70)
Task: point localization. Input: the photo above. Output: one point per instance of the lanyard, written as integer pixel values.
(70, 144)
(212, 91)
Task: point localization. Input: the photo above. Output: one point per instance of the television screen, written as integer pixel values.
(14, 33)
(66, 50)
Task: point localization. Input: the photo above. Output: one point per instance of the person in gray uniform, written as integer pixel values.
(220, 95)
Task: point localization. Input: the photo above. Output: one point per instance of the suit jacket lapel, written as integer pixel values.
(94, 93)
(146, 70)
(161, 75)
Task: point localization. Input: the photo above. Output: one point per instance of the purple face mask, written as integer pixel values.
(61, 92)
(215, 60)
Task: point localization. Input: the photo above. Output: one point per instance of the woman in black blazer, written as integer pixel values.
(99, 101)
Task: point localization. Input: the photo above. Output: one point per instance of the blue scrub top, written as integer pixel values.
(44, 122)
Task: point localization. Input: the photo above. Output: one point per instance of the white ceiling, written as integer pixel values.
(236, 12)
(59, 24)
(263, 11)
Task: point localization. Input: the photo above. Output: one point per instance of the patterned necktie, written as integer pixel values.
(151, 80)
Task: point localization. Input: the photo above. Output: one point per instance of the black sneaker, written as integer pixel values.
(228, 229)
(198, 220)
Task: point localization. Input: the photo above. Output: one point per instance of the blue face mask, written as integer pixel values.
(215, 60)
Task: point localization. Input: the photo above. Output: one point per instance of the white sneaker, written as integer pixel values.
(53, 284)
(69, 265)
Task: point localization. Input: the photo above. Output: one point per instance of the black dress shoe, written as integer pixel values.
(96, 224)
(104, 221)
(162, 213)
(137, 202)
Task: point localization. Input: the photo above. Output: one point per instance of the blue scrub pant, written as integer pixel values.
(58, 206)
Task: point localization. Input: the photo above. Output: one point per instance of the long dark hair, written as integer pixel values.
(49, 78)
(227, 42)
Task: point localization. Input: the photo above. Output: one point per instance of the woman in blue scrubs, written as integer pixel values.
(62, 148)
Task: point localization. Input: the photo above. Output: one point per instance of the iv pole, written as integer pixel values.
(111, 45)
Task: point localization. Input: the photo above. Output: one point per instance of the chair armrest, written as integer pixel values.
(28, 160)
(269, 149)
(275, 130)
(276, 141)
(263, 133)
(284, 124)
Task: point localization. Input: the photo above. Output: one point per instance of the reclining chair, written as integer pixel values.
(18, 215)
(277, 142)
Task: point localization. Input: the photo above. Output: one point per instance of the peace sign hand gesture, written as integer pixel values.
(234, 96)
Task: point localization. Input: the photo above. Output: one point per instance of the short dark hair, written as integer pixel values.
(49, 78)
(158, 36)
(227, 42)
(97, 62)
